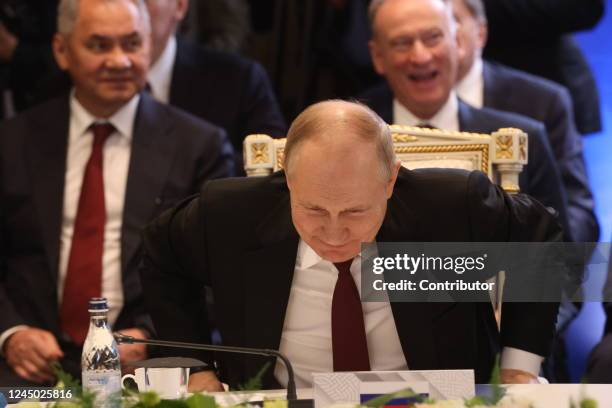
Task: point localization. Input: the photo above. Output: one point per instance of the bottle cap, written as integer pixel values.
(98, 305)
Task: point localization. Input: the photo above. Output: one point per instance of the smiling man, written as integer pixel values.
(282, 256)
(416, 48)
(79, 176)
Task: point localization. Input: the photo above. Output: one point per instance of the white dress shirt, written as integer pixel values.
(116, 159)
(471, 88)
(446, 118)
(306, 336)
(160, 73)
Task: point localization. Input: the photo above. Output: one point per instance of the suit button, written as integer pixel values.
(158, 200)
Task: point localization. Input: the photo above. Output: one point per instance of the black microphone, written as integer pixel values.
(291, 392)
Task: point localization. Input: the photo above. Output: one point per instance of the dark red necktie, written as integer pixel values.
(84, 273)
(349, 343)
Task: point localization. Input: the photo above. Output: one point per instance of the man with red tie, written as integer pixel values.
(282, 255)
(80, 175)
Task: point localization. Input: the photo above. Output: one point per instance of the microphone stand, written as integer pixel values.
(291, 391)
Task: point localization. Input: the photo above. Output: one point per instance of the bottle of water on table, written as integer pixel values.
(101, 371)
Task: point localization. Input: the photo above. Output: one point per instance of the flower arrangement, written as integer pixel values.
(149, 399)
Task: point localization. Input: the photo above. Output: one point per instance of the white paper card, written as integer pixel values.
(358, 387)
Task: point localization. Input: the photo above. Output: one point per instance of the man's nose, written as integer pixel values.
(420, 54)
(336, 232)
(118, 59)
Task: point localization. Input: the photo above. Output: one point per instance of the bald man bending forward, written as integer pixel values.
(258, 242)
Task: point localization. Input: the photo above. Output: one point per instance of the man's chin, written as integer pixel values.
(336, 255)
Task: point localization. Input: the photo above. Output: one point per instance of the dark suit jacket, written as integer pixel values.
(507, 89)
(238, 237)
(227, 90)
(540, 178)
(535, 36)
(599, 364)
(172, 155)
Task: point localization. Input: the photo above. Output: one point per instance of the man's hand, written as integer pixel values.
(204, 381)
(511, 376)
(30, 351)
(8, 44)
(130, 353)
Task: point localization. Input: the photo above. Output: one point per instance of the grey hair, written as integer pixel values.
(376, 4)
(477, 9)
(364, 122)
(68, 12)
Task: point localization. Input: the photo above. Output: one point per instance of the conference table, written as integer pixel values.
(541, 395)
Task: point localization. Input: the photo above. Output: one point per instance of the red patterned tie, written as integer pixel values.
(349, 343)
(84, 273)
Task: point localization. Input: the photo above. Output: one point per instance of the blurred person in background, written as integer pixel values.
(80, 175)
(485, 83)
(414, 46)
(536, 36)
(26, 30)
(228, 90)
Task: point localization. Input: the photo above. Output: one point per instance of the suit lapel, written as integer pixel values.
(415, 327)
(152, 154)
(47, 145)
(382, 103)
(268, 276)
(466, 120)
(489, 96)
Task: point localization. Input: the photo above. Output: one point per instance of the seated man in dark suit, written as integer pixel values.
(281, 252)
(230, 91)
(79, 176)
(482, 83)
(599, 366)
(536, 36)
(414, 46)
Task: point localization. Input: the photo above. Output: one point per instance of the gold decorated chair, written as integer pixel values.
(501, 155)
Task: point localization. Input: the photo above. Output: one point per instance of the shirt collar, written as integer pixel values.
(307, 257)
(446, 118)
(160, 73)
(122, 120)
(471, 87)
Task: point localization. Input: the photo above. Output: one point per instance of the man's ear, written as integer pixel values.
(393, 178)
(483, 34)
(182, 6)
(459, 44)
(377, 58)
(60, 50)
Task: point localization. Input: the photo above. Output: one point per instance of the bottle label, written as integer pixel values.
(106, 386)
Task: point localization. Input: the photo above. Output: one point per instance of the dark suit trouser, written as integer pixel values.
(599, 366)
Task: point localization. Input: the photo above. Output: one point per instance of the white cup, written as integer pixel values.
(169, 383)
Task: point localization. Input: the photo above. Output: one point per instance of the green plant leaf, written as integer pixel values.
(476, 401)
(588, 403)
(82, 398)
(497, 390)
(255, 383)
(201, 401)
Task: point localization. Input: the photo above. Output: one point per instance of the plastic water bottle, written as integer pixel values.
(101, 371)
